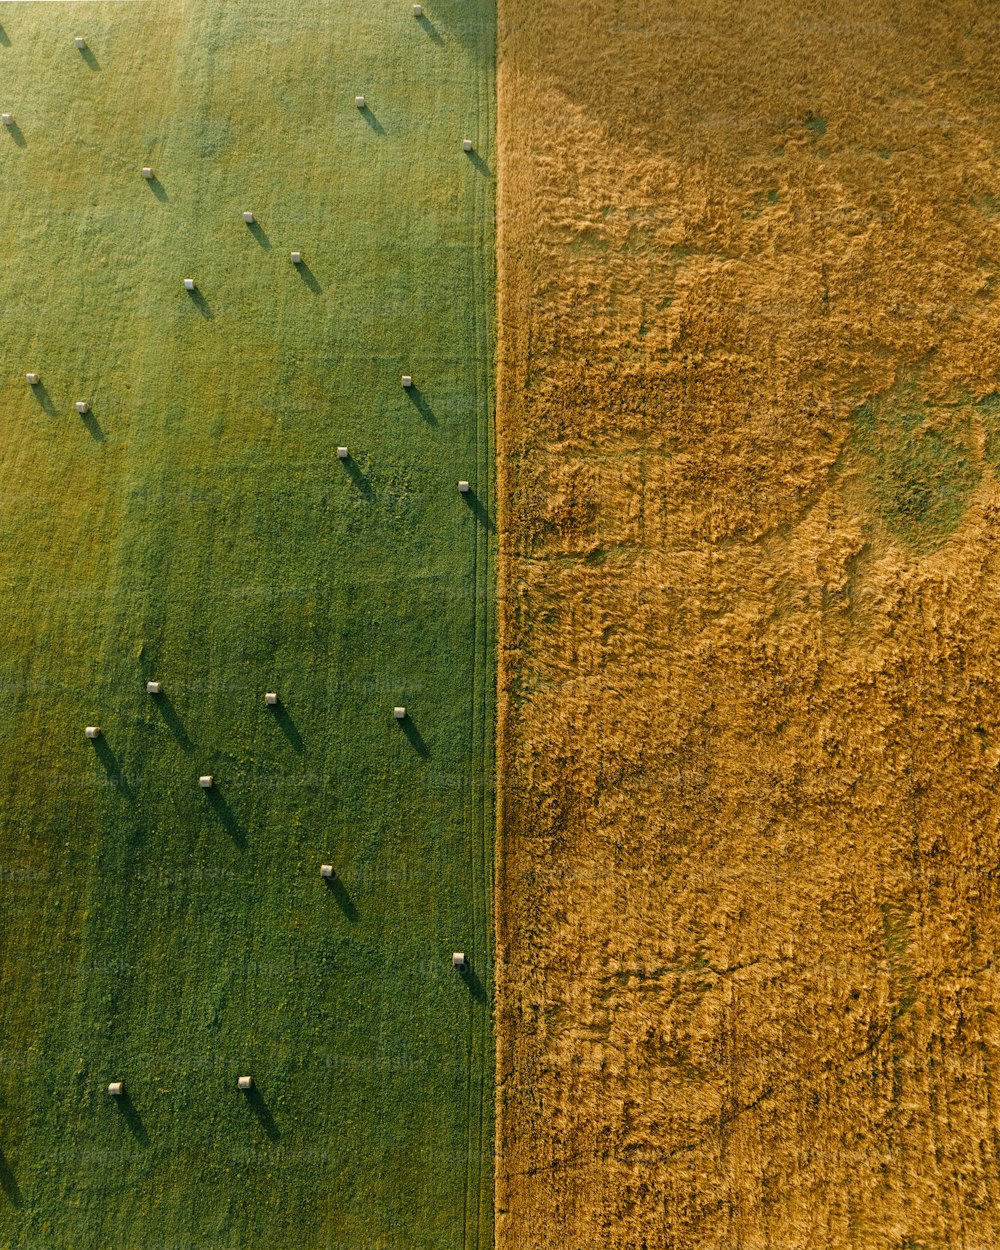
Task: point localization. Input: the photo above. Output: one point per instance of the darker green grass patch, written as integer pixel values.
(989, 410)
(817, 124)
(986, 203)
(920, 467)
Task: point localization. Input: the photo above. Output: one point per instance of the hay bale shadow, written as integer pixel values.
(259, 234)
(477, 990)
(429, 28)
(201, 303)
(287, 725)
(308, 277)
(172, 721)
(93, 426)
(338, 890)
(130, 1114)
(478, 509)
(255, 1100)
(43, 397)
(419, 401)
(479, 163)
(364, 486)
(112, 767)
(227, 817)
(413, 736)
(372, 120)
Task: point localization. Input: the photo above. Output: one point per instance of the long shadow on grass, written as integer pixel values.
(417, 399)
(473, 984)
(113, 769)
(17, 134)
(260, 1109)
(478, 509)
(429, 28)
(287, 726)
(336, 888)
(308, 277)
(201, 303)
(157, 188)
(226, 815)
(372, 120)
(173, 721)
(44, 398)
(479, 163)
(89, 57)
(93, 426)
(9, 1182)
(364, 486)
(260, 234)
(413, 737)
(132, 1118)
(4, 38)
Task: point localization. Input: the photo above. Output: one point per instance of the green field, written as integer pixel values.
(197, 527)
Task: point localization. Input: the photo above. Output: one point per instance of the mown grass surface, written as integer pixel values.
(197, 527)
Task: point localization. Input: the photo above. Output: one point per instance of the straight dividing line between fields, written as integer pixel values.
(488, 539)
(503, 1046)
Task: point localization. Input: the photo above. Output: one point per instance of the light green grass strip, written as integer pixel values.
(198, 528)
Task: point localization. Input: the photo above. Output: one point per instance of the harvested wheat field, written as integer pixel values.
(749, 432)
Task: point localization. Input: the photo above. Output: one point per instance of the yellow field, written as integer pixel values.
(749, 426)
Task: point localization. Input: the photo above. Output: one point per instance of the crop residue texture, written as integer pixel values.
(749, 419)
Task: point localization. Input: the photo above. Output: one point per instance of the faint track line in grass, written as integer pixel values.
(478, 1202)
